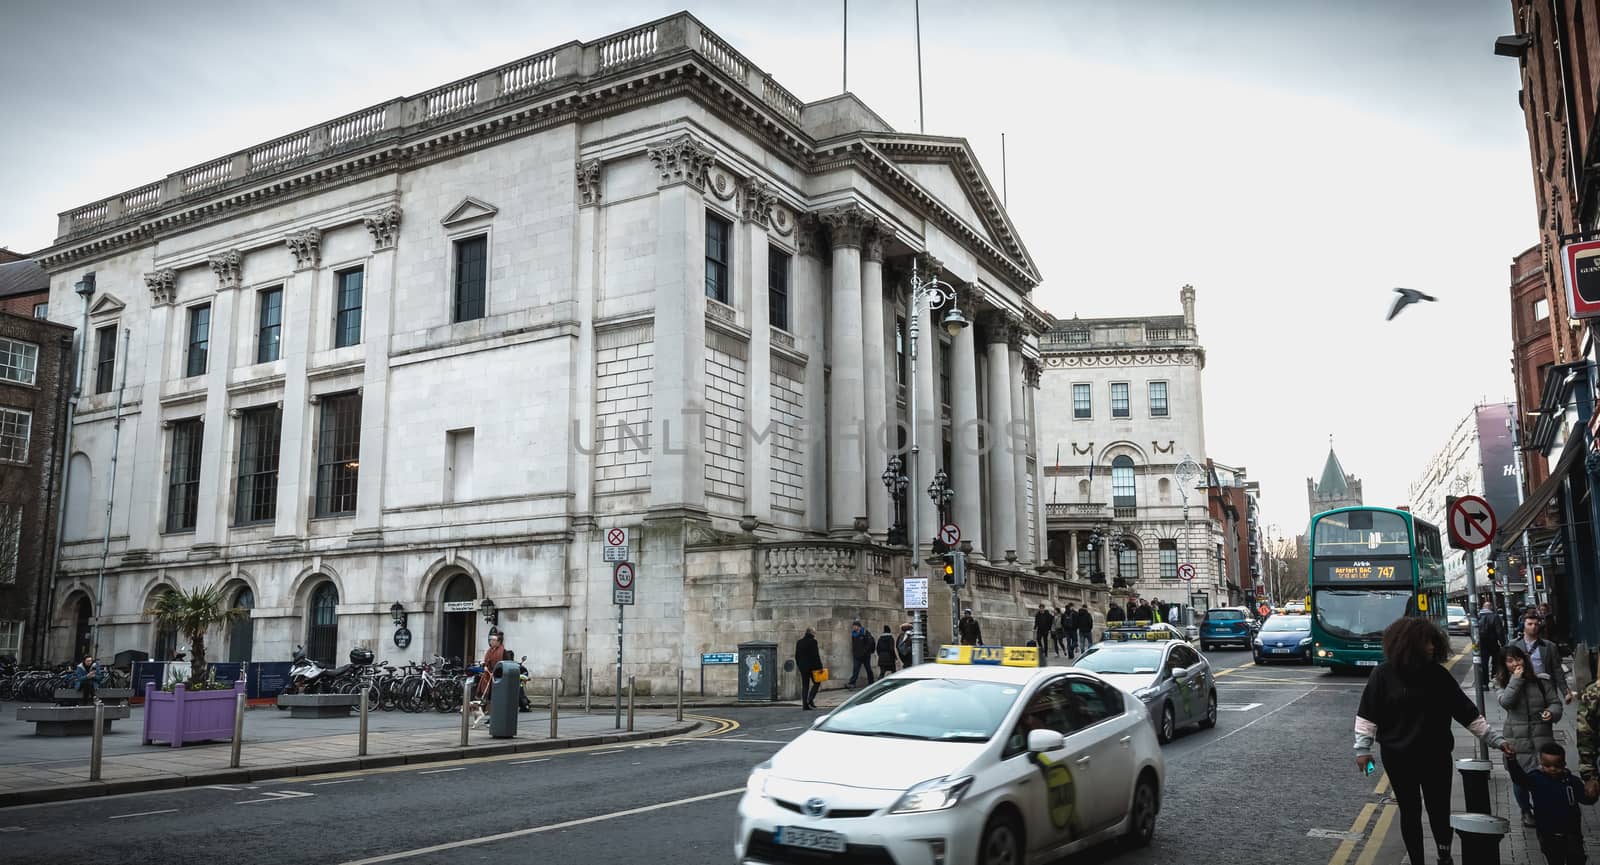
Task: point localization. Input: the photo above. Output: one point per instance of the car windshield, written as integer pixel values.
(943, 710)
(1359, 614)
(1224, 615)
(1456, 612)
(1288, 623)
(1122, 660)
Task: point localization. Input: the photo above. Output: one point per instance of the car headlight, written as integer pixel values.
(1306, 641)
(1258, 642)
(934, 794)
(756, 784)
(1146, 693)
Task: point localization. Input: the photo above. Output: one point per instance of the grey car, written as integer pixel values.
(1173, 681)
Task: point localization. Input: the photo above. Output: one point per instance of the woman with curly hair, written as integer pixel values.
(1532, 707)
(1407, 708)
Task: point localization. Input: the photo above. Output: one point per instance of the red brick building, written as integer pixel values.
(24, 287)
(1532, 345)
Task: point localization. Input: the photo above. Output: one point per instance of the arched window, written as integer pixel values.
(458, 630)
(1122, 492)
(322, 637)
(166, 636)
(241, 634)
(82, 633)
(1128, 560)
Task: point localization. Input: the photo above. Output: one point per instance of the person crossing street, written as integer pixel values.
(1042, 623)
(862, 647)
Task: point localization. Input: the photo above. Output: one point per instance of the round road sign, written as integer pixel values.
(622, 575)
(1186, 572)
(616, 537)
(950, 534)
(1472, 522)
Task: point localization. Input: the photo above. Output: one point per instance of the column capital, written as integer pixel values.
(307, 248)
(872, 247)
(1032, 370)
(999, 326)
(683, 159)
(163, 286)
(588, 175)
(849, 225)
(756, 199)
(384, 226)
(807, 235)
(226, 266)
(927, 266)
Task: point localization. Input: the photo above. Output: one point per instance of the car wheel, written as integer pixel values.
(1002, 842)
(1169, 724)
(1204, 646)
(1210, 720)
(1142, 817)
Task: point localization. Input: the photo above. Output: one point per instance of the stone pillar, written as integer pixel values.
(965, 477)
(810, 315)
(297, 456)
(147, 443)
(930, 433)
(210, 525)
(377, 300)
(1072, 554)
(876, 394)
(1002, 469)
(1015, 440)
(847, 473)
(589, 240)
(1032, 371)
(756, 199)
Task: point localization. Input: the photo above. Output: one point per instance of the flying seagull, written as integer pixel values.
(1407, 297)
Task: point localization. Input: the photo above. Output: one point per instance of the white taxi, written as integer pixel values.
(984, 758)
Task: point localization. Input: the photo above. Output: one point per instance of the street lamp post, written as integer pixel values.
(894, 478)
(1186, 472)
(924, 297)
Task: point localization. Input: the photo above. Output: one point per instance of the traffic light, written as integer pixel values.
(1491, 570)
(955, 568)
(1538, 577)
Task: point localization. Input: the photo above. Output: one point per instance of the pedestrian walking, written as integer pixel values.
(887, 655)
(903, 646)
(1532, 708)
(1142, 612)
(1114, 612)
(1543, 656)
(1067, 627)
(1406, 708)
(1556, 793)
(862, 647)
(1085, 628)
(968, 630)
(808, 660)
(1042, 623)
(1058, 633)
(1491, 641)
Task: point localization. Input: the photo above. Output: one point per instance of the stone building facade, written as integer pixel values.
(416, 361)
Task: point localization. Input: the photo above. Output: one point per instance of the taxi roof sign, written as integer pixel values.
(992, 656)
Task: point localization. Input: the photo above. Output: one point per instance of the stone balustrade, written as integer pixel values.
(1075, 510)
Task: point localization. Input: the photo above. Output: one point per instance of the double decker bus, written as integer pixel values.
(1370, 566)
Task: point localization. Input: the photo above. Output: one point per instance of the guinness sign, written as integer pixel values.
(1582, 266)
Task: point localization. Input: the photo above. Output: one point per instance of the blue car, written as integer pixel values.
(1284, 638)
(1224, 626)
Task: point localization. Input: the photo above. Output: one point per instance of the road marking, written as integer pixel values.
(1335, 834)
(143, 814)
(737, 741)
(1383, 785)
(1370, 852)
(277, 797)
(1342, 854)
(1264, 717)
(740, 736)
(344, 781)
(526, 762)
(603, 753)
(10, 828)
(1236, 707)
(224, 787)
(552, 827)
(787, 729)
(437, 771)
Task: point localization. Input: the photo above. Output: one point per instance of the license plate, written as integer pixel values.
(1366, 663)
(1281, 651)
(809, 839)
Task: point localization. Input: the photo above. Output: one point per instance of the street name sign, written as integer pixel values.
(916, 593)
(460, 606)
(1472, 523)
(712, 658)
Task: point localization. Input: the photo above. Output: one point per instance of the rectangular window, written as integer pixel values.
(16, 428)
(472, 277)
(338, 454)
(199, 340)
(718, 231)
(778, 288)
(900, 337)
(347, 325)
(1082, 405)
(944, 371)
(183, 478)
(19, 361)
(458, 450)
(1168, 553)
(269, 327)
(1119, 399)
(257, 498)
(1541, 309)
(1158, 399)
(10, 542)
(41, 310)
(105, 357)
(11, 638)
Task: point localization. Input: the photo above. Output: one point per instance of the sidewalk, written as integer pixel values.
(47, 769)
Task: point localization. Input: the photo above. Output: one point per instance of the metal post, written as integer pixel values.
(919, 636)
(361, 730)
(555, 703)
(588, 688)
(680, 693)
(238, 728)
(466, 710)
(618, 721)
(1478, 671)
(630, 704)
(97, 742)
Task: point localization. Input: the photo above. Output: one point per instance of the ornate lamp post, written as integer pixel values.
(1186, 473)
(941, 493)
(925, 296)
(895, 479)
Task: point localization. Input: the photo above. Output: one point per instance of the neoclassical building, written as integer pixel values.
(414, 363)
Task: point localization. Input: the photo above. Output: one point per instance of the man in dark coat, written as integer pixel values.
(968, 629)
(808, 660)
(862, 647)
(903, 645)
(886, 652)
(1085, 624)
(1143, 613)
(1043, 621)
(1114, 614)
(1067, 631)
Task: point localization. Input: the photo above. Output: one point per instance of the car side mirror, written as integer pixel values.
(1040, 741)
(1181, 672)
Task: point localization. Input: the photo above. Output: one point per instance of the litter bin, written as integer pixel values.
(503, 702)
(758, 671)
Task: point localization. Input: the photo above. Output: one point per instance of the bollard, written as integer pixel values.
(555, 703)
(630, 704)
(98, 742)
(466, 710)
(1480, 837)
(361, 730)
(1475, 785)
(238, 730)
(588, 688)
(680, 693)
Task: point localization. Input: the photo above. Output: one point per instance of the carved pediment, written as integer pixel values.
(469, 209)
(106, 305)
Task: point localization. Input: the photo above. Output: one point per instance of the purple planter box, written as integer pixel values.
(185, 716)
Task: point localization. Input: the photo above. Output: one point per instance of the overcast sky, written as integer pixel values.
(1293, 160)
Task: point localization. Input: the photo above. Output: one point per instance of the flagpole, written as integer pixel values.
(845, 54)
(918, 8)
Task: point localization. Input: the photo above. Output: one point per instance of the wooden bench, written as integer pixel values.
(318, 705)
(68, 720)
(73, 696)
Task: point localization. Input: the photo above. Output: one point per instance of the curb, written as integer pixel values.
(88, 790)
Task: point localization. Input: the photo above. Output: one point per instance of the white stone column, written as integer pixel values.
(378, 288)
(212, 495)
(847, 487)
(145, 524)
(930, 437)
(1072, 554)
(1002, 469)
(965, 477)
(297, 455)
(1032, 370)
(876, 395)
(755, 215)
(810, 314)
(587, 263)
(1015, 440)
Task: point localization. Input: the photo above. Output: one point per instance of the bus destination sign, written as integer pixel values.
(1376, 570)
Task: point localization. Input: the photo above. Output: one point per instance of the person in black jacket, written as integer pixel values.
(1556, 793)
(808, 660)
(862, 647)
(1043, 621)
(1085, 628)
(1407, 708)
(1114, 613)
(968, 629)
(886, 652)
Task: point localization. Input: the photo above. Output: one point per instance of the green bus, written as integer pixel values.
(1370, 566)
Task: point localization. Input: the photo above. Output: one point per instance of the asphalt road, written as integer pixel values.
(1276, 767)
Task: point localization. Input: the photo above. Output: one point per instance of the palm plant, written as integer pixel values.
(191, 613)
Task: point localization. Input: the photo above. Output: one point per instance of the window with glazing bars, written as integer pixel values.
(1122, 486)
(900, 337)
(257, 498)
(105, 357)
(778, 288)
(1128, 563)
(944, 371)
(338, 454)
(1082, 401)
(16, 428)
(1168, 556)
(19, 361)
(347, 325)
(472, 275)
(717, 255)
(1119, 399)
(269, 328)
(183, 477)
(10, 542)
(1158, 399)
(199, 339)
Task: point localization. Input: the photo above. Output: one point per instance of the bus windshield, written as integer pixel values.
(1361, 533)
(1359, 614)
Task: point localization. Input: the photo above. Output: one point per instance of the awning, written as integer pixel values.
(1534, 505)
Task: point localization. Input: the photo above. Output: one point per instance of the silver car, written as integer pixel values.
(1173, 681)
